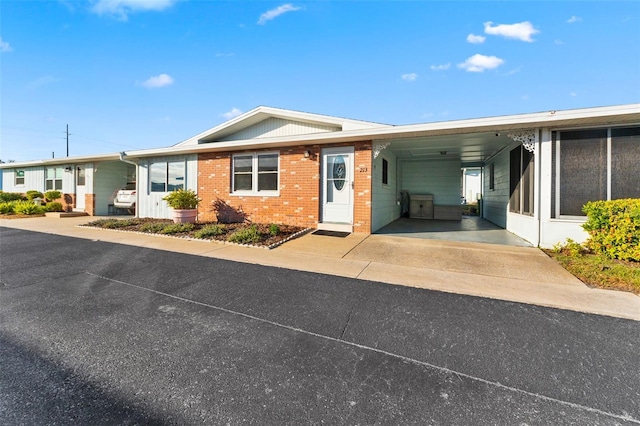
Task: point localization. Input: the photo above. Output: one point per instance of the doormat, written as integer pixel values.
(331, 233)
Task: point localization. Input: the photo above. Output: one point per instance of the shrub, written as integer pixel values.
(31, 194)
(274, 229)
(52, 195)
(209, 231)
(614, 228)
(6, 197)
(182, 199)
(570, 248)
(7, 207)
(245, 236)
(152, 227)
(111, 223)
(177, 228)
(54, 206)
(27, 208)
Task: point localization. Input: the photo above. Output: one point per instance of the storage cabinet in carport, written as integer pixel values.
(421, 206)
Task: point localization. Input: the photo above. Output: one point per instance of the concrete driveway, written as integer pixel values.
(504, 272)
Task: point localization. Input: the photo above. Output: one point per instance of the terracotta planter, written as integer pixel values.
(185, 216)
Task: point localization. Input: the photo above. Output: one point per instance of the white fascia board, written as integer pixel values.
(61, 160)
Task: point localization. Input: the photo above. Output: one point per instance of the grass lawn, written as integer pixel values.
(597, 271)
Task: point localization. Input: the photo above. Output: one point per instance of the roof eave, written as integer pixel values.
(62, 160)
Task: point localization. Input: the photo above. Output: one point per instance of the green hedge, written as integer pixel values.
(614, 228)
(6, 197)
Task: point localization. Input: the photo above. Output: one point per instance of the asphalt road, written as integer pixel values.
(99, 333)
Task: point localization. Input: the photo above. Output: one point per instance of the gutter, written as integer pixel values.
(123, 156)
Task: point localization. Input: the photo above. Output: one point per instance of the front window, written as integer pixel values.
(167, 176)
(256, 173)
(53, 179)
(19, 177)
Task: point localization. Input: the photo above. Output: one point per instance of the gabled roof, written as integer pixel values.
(316, 124)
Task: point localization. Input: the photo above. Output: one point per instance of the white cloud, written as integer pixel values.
(5, 46)
(558, 42)
(442, 67)
(231, 114)
(520, 31)
(476, 39)
(514, 71)
(409, 77)
(274, 13)
(157, 81)
(574, 19)
(480, 63)
(120, 9)
(41, 81)
(573, 94)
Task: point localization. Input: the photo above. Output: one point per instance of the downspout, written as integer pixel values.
(124, 160)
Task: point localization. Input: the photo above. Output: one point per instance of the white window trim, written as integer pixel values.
(54, 179)
(254, 175)
(15, 177)
(384, 185)
(166, 175)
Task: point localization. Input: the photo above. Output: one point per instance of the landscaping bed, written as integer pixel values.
(254, 234)
(597, 271)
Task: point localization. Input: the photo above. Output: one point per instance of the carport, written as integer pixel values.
(433, 164)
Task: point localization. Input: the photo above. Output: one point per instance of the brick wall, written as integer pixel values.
(90, 204)
(68, 202)
(299, 200)
(362, 187)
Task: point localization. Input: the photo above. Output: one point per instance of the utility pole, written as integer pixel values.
(67, 140)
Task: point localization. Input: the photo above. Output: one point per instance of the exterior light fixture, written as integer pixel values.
(307, 154)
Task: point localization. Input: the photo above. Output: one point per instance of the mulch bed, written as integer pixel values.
(267, 240)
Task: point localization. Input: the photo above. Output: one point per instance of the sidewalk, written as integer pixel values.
(517, 274)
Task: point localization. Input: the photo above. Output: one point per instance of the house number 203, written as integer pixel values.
(363, 169)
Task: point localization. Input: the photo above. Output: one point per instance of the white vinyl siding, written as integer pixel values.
(33, 179)
(495, 201)
(441, 178)
(278, 127)
(384, 196)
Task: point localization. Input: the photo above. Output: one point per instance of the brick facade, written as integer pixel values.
(90, 204)
(298, 202)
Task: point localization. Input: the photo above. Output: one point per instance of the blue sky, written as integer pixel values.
(132, 74)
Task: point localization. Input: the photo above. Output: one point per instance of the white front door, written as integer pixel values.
(337, 185)
(80, 187)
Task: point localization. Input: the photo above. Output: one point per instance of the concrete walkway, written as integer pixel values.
(518, 274)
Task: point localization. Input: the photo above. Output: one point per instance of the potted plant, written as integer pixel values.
(184, 203)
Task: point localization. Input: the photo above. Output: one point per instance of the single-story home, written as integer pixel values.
(280, 166)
